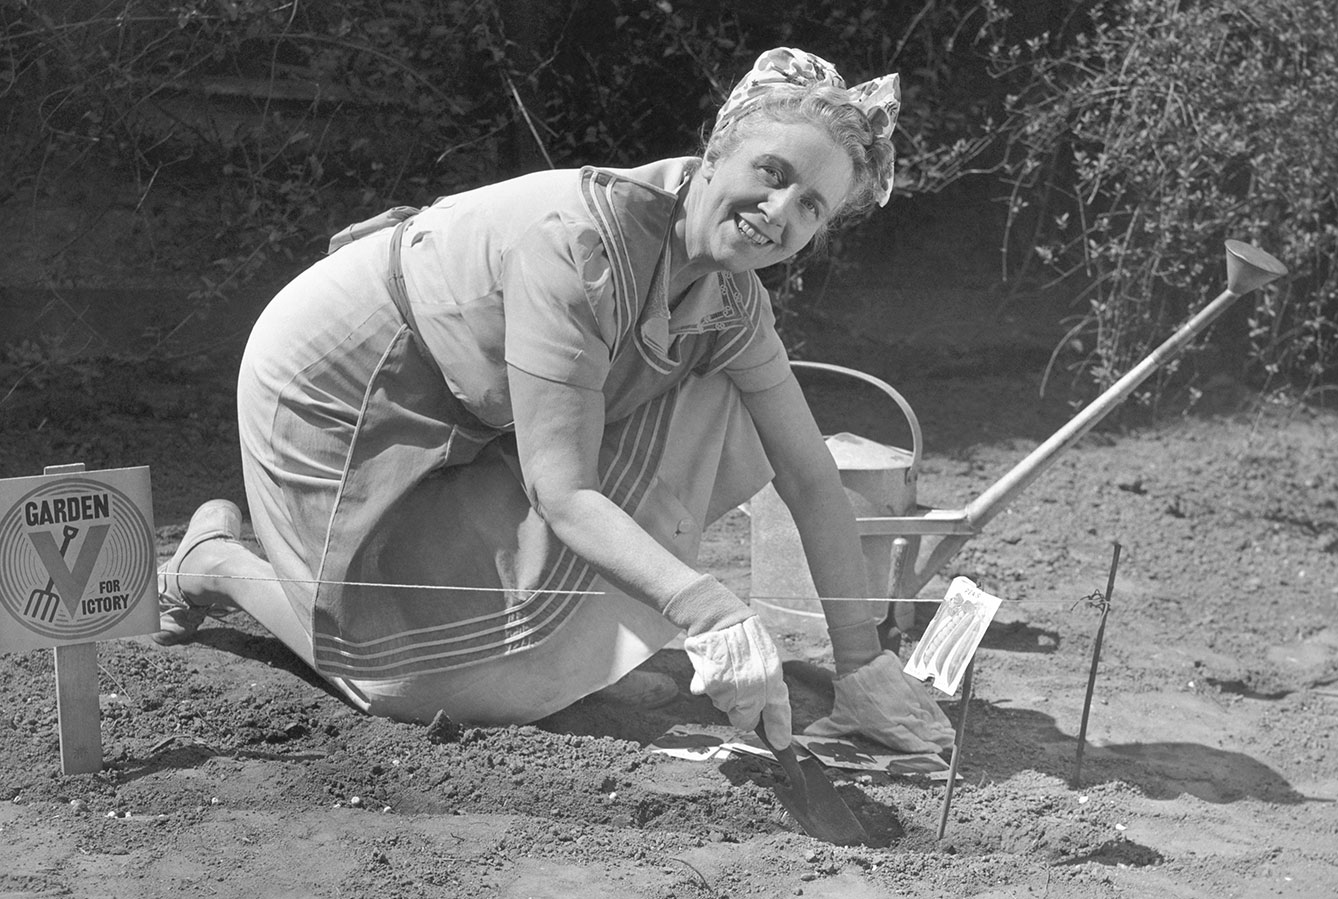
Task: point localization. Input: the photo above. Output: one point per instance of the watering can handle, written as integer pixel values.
(916, 438)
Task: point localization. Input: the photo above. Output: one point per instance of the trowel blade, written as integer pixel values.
(818, 808)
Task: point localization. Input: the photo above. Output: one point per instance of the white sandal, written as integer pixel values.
(178, 617)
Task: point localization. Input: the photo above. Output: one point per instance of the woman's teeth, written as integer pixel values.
(752, 233)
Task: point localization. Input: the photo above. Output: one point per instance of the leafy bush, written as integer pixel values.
(284, 121)
(1135, 148)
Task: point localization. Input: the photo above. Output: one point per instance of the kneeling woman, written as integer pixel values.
(480, 445)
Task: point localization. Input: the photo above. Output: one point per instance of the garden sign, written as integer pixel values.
(77, 565)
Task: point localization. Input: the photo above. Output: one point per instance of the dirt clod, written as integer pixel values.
(443, 729)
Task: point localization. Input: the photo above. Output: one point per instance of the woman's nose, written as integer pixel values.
(779, 203)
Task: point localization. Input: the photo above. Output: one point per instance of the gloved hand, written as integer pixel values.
(740, 669)
(733, 659)
(880, 702)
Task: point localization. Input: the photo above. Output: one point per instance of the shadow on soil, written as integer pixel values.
(267, 650)
(1012, 740)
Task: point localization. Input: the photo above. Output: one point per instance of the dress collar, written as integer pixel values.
(704, 306)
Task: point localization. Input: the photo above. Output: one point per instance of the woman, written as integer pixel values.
(479, 446)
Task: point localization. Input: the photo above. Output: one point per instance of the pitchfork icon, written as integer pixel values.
(43, 602)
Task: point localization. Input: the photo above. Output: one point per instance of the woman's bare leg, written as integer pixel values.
(225, 574)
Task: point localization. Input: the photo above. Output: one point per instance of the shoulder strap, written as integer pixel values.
(399, 293)
(380, 222)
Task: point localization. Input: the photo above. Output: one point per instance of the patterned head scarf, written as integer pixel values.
(879, 99)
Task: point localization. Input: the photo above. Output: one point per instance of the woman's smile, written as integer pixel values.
(752, 233)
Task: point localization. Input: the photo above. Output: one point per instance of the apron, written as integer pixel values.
(430, 582)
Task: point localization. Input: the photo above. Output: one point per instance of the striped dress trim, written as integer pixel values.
(633, 456)
(597, 188)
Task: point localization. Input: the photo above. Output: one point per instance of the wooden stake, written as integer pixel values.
(77, 708)
(957, 742)
(1096, 659)
(77, 712)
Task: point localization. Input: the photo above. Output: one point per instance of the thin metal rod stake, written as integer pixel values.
(956, 747)
(1096, 660)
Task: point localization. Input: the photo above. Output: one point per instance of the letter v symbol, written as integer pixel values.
(70, 583)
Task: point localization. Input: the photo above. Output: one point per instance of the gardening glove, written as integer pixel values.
(880, 702)
(733, 659)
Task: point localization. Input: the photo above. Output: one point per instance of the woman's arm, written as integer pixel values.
(809, 484)
(559, 429)
(873, 696)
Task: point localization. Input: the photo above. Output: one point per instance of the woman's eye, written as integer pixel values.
(811, 206)
(772, 175)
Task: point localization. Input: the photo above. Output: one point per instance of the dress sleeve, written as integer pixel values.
(557, 296)
(762, 365)
(751, 353)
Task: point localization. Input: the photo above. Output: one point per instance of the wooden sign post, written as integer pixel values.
(77, 565)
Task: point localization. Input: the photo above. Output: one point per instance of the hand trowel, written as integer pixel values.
(811, 799)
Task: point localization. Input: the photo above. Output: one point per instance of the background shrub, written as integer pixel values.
(286, 120)
(1137, 145)
(1128, 138)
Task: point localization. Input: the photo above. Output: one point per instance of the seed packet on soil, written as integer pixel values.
(749, 744)
(837, 753)
(951, 639)
(695, 744)
(702, 743)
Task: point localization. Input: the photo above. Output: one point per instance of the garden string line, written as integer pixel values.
(1093, 598)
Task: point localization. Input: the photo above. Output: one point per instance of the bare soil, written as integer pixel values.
(1209, 768)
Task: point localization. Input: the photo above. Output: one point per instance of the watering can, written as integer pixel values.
(881, 483)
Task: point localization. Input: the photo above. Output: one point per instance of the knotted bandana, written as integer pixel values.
(879, 99)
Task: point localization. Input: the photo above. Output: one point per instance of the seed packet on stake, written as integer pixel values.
(952, 637)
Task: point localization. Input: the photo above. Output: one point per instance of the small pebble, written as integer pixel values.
(214, 800)
(78, 806)
(356, 801)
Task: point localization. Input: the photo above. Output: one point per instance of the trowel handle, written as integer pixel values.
(788, 760)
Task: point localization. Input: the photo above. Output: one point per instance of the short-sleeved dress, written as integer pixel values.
(379, 461)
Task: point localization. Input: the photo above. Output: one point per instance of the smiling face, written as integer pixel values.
(762, 202)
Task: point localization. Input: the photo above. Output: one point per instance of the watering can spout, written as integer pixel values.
(1249, 268)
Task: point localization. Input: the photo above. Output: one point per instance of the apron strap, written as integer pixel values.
(399, 293)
